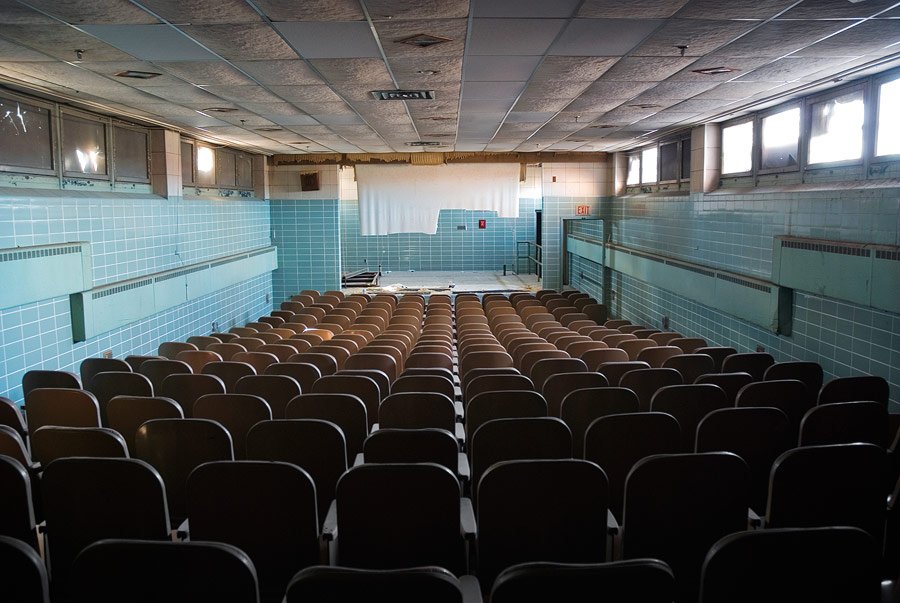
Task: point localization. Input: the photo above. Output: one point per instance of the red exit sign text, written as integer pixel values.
(583, 210)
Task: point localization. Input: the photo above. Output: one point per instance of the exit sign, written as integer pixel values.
(583, 210)
(482, 224)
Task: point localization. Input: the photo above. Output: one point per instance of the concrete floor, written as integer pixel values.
(450, 282)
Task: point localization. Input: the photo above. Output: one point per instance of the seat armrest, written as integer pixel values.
(359, 460)
(612, 526)
(460, 432)
(330, 527)
(374, 428)
(467, 518)
(753, 520)
(460, 411)
(462, 467)
(471, 589)
(184, 530)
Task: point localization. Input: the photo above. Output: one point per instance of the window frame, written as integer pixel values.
(875, 105)
(55, 143)
(751, 119)
(107, 135)
(758, 141)
(867, 129)
(636, 155)
(643, 150)
(115, 170)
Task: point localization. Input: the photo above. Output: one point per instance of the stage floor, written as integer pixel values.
(450, 282)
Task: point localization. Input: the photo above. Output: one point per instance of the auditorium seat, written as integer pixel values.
(229, 371)
(594, 359)
(688, 404)
(717, 353)
(344, 410)
(25, 577)
(59, 406)
(419, 410)
(186, 388)
(427, 445)
(91, 366)
(34, 379)
(657, 355)
(17, 518)
(127, 413)
(689, 345)
(250, 342)
(363, 387)
(113, 570)
(157, 370)
(731, 383)
(690, 366)
(850, 389)
(754, 363)
(276, 390)
(502, 404)
(614, 371)
(542, 370)
(665, 337)
(304, 373)
(226, 350)
(844, 423)
(321, 584)
(810, 373)
(558, 386)
(107, 385)
(201, 341)
(170, 349)
(50, 442)
(379, 362)
(581, 407)
(237, 413)
(788, 395)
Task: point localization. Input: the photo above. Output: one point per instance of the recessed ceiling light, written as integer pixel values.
(713, 70)
(403, 94)
(220, 110)
(423, 40)
(138, 75)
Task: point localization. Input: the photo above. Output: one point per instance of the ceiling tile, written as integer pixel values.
(837, 9)
(280, 73)
(446, 108)
(390, 33)
(513, 36)
(603, 37)
(330, 39)
(291, 120)
(325, 108)
(524, 8)
(307, 94)
(539, 104)
(739, 66)
(676, 90)
(253, 41)
(273, 109)
(60, 41)
(789, 69)
(410, 69)
(493, 90)
(778, 38)
(645, 69)
(695, 106)
(499, 68)
(203, 12)
(353, 70)
(217, 73)
(868, 36)
(700, 37)
(416, 9)
(735, 90)
(242, 94)
(150, 42)
(337, 118)
(97, 11)
(599, 104)
(11, 51)
(583, 69)
(716, 9)
(183, 94)
(312, 10)
(527, 117)
(18, 14)
(485, 106)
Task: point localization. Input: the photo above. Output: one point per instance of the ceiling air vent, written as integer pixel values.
(269, 129)
(138, 75)
(423, 40)
(424, 143)
(220, 109)
(403, 94)
(713, 70)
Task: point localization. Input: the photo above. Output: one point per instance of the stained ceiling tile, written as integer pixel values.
(778, 38)
(561, 9)
(330, 39)
(149, 42)
(202, 12)
(868, 36)
(716, 9)
(437, 109)
(541, 104)
(391, 34)
(97, 11)
(60, 41)
(353, 70)
(207, 73)
(514, 36)
(699, 36)
(406, 69)
(499, 68)
(416, 9)
(603, 37)
(583, 69)
(307, 94)
(312, 10)
(253, 41)
(493, 90)
(645, 69)
(280, 73)
(738, 66)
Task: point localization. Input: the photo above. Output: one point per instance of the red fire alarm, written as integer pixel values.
(482, 224)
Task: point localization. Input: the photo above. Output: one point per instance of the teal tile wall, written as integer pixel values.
(584, 274)
(307, 234)
(449, 249)
(130, 235)
(555, 210)
(735, 232)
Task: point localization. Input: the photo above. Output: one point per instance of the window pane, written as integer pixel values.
(648, 165)
(131, 154)
(669, 165)
(888, 139)
(634, 170)
(780, 139)
(686, 159)
(25, 136)
(244, 171)
(206, 166)
(737, 148)
(225, 168)
(837, 129)
(187, 162)
(84, 146)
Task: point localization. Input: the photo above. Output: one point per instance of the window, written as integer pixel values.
(187, 162)
(649, 169)
(737, 148)
(84, 146)
(25, 140)
(686, 159)
(887, 139)
(634, 170)
(130, 147)
(780, 139)
(244, 171)
(836, 133)
(225, 169)
(669, 165)
(205, 163)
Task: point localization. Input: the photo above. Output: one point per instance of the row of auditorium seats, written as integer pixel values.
(558, 451)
